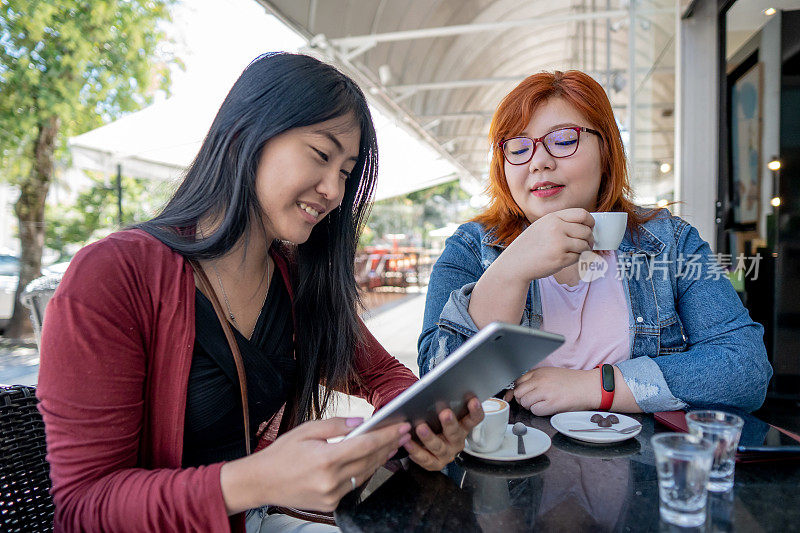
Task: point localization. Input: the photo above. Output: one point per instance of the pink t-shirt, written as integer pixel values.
(592, 316)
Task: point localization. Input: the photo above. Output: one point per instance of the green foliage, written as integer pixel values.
(417, 213)
(450, 191)
(95, 214)
(67, 66)
(85, 62)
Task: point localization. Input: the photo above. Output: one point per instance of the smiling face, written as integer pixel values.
(301, 176)
(547, 184)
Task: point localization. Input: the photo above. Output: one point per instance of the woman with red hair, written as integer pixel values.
(660, 329)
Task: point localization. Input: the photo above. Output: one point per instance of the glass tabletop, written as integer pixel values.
(574, 486)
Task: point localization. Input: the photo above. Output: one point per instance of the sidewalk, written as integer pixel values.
(19, 363)
(396, 324)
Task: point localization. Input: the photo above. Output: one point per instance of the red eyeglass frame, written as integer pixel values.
(578, 129)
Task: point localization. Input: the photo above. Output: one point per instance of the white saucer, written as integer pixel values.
(536, 443)
(563, 422)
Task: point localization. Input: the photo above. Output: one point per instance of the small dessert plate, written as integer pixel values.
(565, 422)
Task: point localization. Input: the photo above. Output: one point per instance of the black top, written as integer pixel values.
(214, 428)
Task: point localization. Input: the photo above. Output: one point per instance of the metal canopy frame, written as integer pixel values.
(353, 44)
(440, 67)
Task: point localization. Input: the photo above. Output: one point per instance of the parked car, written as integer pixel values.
(9, 277)
(55, 268)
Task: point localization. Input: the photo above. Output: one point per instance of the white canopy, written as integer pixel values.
(160, 141)
(443, 66)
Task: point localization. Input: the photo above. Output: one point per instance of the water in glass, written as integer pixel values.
(723, 430)
(683, 462)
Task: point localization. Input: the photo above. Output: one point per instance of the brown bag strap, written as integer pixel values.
(309, 516)
(208, 290)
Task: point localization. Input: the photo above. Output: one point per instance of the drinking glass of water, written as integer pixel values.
(683, 462)
(723, 430)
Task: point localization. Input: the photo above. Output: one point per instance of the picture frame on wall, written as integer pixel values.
(745, 112)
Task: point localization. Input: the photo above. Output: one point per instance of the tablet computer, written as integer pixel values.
(758, 437)
(481, 367)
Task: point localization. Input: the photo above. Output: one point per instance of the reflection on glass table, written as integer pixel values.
(574, 486)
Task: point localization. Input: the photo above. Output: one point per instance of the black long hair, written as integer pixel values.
(275, 93)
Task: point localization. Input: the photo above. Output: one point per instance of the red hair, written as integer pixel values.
(513, 115)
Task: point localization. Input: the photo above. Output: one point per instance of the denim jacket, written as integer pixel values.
(692, 342)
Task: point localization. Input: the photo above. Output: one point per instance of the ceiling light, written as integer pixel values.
(775, 201)
(775, 164)
(665, 168)
(385, 74)
(450, 145)
(618, 82)
(770, 11)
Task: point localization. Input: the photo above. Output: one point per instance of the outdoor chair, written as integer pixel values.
(36, 296)
(25, 502)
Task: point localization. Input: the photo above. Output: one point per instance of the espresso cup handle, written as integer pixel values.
(479, 432)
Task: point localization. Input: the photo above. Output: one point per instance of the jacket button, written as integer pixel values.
(639, 319)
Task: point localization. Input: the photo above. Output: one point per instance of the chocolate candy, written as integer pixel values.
(613, 419)
(596, 418)
(604, 423)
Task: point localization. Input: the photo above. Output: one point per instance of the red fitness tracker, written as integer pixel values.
(606, 386)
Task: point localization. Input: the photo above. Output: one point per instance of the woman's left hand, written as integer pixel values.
(435, 451)
(549, 390)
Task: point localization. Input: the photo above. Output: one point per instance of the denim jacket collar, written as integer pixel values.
(647, 243)
(488, 240)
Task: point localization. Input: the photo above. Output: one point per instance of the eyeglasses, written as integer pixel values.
(558, 143)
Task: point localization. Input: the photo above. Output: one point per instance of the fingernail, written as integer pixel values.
(449, 417)
(392, 454)
(423, 431)
(353, 422)
(405, 428)
(404, 439)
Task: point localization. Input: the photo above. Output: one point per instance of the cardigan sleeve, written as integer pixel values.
(383, 377)
(93, 383)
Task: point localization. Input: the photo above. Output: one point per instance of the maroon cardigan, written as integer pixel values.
(115, 356)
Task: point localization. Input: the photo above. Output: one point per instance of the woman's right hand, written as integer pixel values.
(553, 242)
(550, 244)
(301, 469)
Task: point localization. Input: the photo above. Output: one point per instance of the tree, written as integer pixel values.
(94, 213)
(67, 67)
(418, 212)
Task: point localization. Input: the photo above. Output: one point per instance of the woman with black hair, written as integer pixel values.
(225, 314)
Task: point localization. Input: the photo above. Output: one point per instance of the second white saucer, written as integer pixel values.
(536, 443)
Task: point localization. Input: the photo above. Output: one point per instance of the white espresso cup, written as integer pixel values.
(609, 229)
(487, 436)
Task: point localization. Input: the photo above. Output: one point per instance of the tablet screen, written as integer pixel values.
(760, 436)
(757, 436)
(481, 367)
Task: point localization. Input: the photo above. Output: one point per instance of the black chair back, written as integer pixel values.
(25, 502)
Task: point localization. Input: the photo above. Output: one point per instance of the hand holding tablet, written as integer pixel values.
(481, 367)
